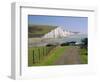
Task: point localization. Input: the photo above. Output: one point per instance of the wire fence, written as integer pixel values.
(39, 53)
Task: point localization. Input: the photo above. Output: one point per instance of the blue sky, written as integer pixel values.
(76, 24)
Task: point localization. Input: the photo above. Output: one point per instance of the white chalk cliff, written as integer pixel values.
(58, 33)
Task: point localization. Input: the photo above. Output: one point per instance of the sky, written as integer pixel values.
(71, 23)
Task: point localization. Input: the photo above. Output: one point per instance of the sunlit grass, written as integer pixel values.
(49, 59)
(84, 56)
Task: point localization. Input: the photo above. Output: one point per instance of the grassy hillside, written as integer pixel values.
(39, 30)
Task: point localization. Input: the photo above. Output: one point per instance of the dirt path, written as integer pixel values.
(70, 56)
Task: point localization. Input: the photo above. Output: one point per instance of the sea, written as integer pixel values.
(76, 38)
(43, 42)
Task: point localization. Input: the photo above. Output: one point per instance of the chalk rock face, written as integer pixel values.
(59, 32)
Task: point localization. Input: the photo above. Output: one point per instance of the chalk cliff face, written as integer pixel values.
(59, 32)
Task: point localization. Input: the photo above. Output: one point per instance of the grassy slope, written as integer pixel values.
(84, 56)
(39, 29)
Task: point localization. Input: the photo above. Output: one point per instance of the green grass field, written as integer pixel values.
(44, 55)
(84, 56)
(37, 54)
(54, 55)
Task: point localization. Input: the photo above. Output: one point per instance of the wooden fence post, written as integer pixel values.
(43, 51)
(33, 57)
(39, 54)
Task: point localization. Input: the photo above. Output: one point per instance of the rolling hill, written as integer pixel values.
(39, 30)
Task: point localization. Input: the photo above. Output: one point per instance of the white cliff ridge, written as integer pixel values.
(58, 33)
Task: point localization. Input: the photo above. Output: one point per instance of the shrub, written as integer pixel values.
(49, 45)
(68, 43)
(84, 43)
(65, 44)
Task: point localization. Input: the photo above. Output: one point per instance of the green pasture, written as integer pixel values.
(84, 56)
(44, 55)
